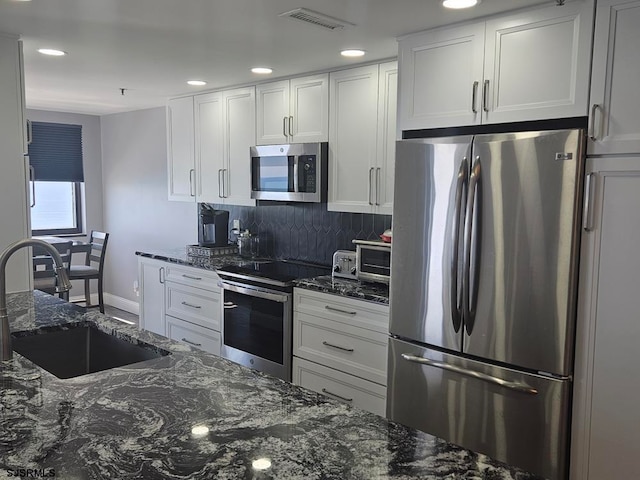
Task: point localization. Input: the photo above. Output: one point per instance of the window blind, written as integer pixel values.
(55, 152)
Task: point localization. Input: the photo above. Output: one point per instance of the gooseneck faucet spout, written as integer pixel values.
(63, 285)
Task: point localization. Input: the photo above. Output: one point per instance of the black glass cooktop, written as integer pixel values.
(284, 272)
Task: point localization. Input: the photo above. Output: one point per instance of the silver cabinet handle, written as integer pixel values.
(344, 399)
(344, 349)
(474, 96)
(161, 274)
(191, 343)
(220, 192)
(191, 189)
(186, 304)
(29, 132)
(461, 182)
(32, 175)
(225, 176)
(485, 96)
(191, 277)
(517, 386)
(592, 135)
(334, 309)
(378, 186)
(291, 126)
(284, 126)
(370, 185)
(587, 216)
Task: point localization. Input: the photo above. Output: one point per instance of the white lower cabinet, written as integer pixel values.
(180, 302)
(340, 348)
(340, 386)
(199, 337)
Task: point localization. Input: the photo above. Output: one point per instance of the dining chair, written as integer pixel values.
(44, 275)
(93, 268)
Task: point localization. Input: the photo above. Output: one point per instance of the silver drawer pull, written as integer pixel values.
(191, 277)
(327, 344)
(344, 399)
(334, 309)
(190, 305)
(191, 343)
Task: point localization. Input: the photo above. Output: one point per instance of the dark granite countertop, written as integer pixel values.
(372, 292)
(136, 421)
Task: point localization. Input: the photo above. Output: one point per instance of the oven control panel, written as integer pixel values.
(344, 265)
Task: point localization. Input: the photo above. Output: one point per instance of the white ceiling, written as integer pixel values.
(152, 47)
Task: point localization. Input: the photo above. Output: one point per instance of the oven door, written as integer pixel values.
(256, 328)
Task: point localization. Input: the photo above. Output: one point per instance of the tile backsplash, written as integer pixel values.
(305, 231)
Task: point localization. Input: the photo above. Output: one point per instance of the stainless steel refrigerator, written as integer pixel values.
(483, 292)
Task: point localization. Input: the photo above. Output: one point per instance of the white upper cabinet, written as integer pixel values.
(295, 110)
(532, 65)
(224, 132)
(239, 123)
(180, 151)
(209, 147)
(362, 133)
(615, 104)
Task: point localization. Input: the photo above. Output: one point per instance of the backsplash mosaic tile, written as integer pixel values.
(305, 231)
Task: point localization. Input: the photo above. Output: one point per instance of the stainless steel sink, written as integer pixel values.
(80, 349)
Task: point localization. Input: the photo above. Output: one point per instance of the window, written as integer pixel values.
(55, 158)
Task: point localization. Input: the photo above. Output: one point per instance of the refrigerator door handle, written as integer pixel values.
(468, 296)
(517, 386)
(456, 313)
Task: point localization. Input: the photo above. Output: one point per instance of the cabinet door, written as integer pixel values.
(239, 120)
(387, 135)
(440, 78)
(209, 147)
(606, 437)
(151, 275)
(180, 154)
(309, 121)
(537, 64)
(615, 123)
(272, 113)
(352, 139)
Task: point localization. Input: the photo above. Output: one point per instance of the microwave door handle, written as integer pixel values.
(296, 181)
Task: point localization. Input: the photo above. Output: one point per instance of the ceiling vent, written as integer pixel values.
(316, 18)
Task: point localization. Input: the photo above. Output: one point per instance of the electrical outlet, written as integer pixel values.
(236, 224)
(136, 288)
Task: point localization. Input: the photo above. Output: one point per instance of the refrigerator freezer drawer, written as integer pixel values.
(515, 417)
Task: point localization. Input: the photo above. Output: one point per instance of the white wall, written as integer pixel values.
(137, 214)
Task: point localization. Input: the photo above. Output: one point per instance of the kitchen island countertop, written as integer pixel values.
(136, 421)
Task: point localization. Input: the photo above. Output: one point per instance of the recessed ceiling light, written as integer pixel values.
(460, 3)
(52, 52)
(197, 83)
(352, 53)
(262, 70)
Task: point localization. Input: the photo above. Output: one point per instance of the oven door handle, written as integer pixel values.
(253, 292)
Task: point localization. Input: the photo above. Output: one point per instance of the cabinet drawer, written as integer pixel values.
(340, 386)
(353, 350)
(359, 313)
(194, 305)
(193, 277)
(198, 337)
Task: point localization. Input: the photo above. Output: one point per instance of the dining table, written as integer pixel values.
(77, 246)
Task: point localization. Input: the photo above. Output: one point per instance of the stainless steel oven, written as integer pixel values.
(257, 306)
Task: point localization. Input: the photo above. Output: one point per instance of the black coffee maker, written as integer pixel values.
(213, 226)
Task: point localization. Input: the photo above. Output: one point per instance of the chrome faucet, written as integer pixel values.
(62, 285)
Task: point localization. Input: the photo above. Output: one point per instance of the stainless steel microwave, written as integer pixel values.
(373, 261)
(292, 173)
